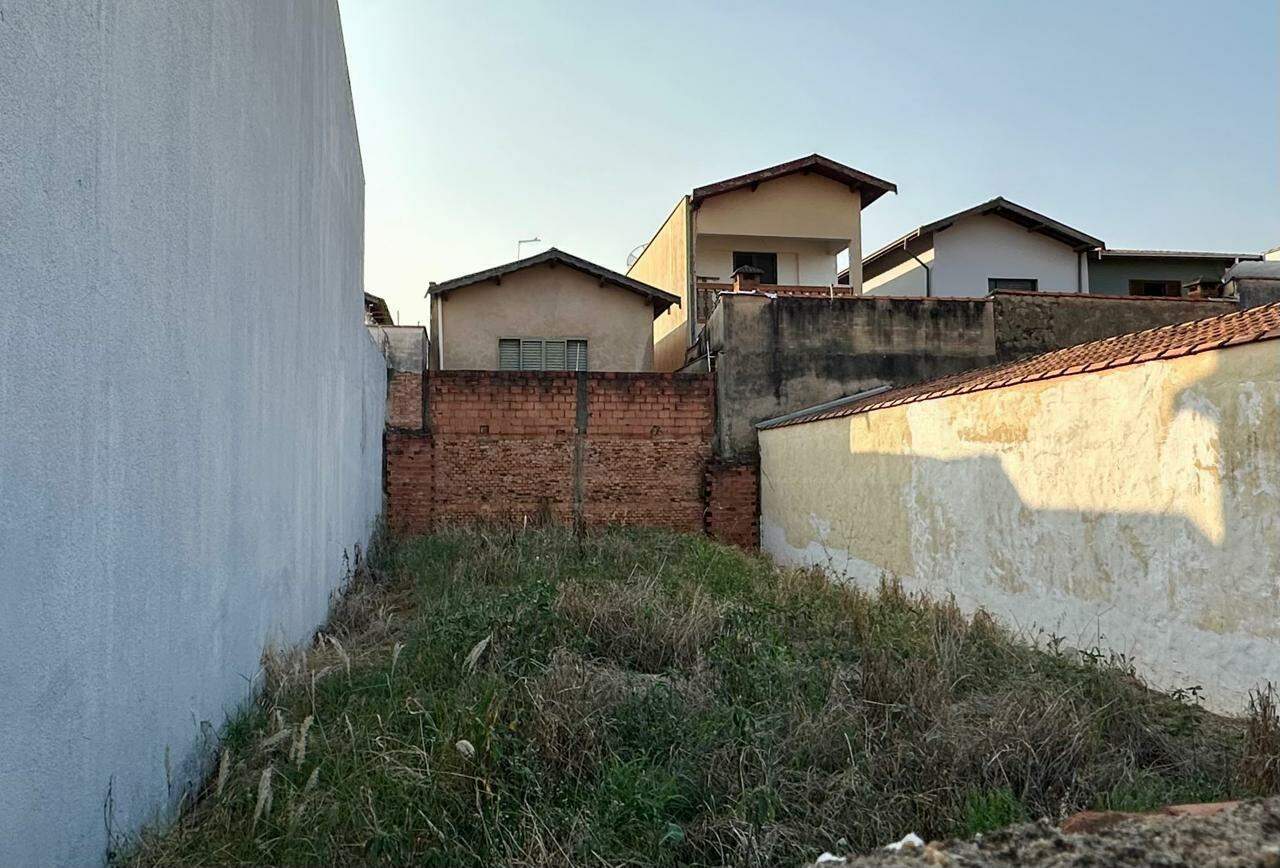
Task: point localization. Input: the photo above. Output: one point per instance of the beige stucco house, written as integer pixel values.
(548, 312)
(788, 220)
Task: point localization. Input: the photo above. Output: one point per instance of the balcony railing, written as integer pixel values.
(706, 294)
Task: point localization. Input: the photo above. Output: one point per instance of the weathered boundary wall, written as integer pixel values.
(192, 406)
(599, 448)
(1136, 509)
(1029, 323)
(778, 355)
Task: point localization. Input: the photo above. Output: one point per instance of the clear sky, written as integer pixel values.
(1146, 124)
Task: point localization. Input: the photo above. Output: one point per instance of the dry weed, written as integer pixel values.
(641, 627)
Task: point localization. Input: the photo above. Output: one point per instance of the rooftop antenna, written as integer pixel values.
(635, 253)
(522, 242)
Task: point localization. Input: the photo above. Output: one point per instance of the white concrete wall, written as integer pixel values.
(977, 248)
(1136, 509)
(192, 405)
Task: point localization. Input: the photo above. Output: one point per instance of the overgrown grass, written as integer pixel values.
(499, 697)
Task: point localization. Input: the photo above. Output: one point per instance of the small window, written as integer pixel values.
(509, 354)
(1018, 284)
(766, 262)
(1156, 288)
(553, 356)
(531, 355)
(542, 354)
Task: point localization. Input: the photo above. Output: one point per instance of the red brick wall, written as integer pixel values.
(733, 498)
(408, 480)
(404, 400)
(505, 446)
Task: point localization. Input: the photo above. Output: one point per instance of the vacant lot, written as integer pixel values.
(526, 698)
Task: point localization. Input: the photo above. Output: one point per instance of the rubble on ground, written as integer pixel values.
(1237, 835)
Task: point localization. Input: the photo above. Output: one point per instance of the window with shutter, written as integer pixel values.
(553, 356)
(542, 354)
(509, 354)
(530, 355)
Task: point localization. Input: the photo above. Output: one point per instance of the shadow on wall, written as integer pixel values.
(1146, 526)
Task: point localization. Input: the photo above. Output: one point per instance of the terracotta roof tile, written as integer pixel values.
(1167, 342)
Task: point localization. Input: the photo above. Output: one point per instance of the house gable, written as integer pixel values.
(543, 302)
(976, 249)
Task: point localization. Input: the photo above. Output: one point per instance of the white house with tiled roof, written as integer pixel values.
(1001, 245)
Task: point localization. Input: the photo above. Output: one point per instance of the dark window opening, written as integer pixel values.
(1018, 284)
(1156, 288)
(766, 262)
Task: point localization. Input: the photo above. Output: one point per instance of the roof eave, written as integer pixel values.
(605, 275)
(1060, 232)
(1073, 238)
(869, 186)
(896, 244)
(1129, 253)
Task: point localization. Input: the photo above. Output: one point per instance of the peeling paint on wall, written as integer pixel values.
(1136, 509)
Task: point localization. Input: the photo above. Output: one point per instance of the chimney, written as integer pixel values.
(746, 278)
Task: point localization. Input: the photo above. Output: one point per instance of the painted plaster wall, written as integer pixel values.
(977, 248)
(801, 261)
(544, 302)
(793, 206)
(193, 407)
(406, 347)
(1135, 509)
(664, 263)
(1111, 276)
(907, 278)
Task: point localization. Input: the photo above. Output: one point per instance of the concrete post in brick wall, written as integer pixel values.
(746, 278)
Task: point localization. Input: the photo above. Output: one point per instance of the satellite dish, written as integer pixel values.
(635, 253)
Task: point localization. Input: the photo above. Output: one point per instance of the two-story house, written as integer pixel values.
(790, 221)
